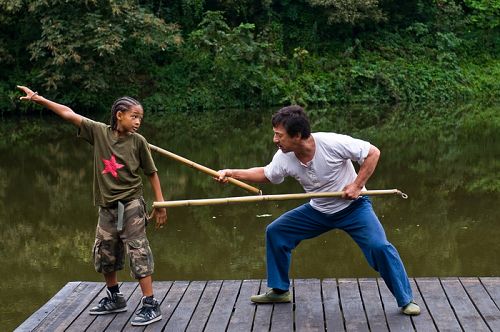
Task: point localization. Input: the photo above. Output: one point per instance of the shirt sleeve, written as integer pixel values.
(147, 163)
(275, 171)
(86, 130)
(351, 148)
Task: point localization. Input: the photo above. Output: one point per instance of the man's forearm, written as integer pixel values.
(368, 167)
(255, 174)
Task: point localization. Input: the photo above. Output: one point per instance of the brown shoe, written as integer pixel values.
(271, 297)
(411, 309)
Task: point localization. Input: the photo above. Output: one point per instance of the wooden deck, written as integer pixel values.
(448, 304)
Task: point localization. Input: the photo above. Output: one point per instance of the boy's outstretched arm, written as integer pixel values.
(63, 111)
(159, 213)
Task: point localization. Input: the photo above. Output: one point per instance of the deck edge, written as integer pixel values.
(36, 318)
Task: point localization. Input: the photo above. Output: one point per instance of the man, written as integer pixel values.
(323, 162)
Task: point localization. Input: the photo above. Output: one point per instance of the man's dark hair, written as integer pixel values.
(294, 120)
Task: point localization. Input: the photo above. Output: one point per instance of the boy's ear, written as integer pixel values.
(119, 114)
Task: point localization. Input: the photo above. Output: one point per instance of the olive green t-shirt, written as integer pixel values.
(117, 161)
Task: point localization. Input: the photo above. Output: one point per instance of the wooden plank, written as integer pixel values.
(122, 322)
(182, 314)
(57, 300)
(169, 304)
(352, 305)
(80, 308)
(75, 303)
(84, 320)
(486, 306)
(263, 312)
(331, 306)
(492, 286)
(221, 313)
(438, 305)
(282, 317)
(468, 317)
(450, 304)
(422, 322)
(102, 321)
(244, 309)
(373, 305)
(396, 320)
(205, 305)
(308, 305)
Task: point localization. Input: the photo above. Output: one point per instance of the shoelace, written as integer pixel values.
(271, 291)
(105, 300)
(145, 311)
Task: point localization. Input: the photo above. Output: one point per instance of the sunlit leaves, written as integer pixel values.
(350, 11)
(486, 13)
(11, 6)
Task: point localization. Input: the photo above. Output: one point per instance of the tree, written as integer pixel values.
(96, 45)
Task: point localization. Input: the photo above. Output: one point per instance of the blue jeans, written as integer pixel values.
(358, 220)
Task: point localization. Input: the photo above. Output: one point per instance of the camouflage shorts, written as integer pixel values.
(111, 245)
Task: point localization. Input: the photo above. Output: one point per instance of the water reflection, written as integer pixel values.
(447, 227)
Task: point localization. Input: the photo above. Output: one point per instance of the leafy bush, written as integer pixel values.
(253, 54)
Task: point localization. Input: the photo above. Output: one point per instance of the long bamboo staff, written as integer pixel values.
(204, 169)
(283, 197)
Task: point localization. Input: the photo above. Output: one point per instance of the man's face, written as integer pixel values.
(285, 142)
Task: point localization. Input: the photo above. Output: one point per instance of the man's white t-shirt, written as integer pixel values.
(331, 168)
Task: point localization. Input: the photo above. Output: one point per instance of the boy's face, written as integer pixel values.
(131, 120)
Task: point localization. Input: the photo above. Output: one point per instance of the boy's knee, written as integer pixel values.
(107, 256)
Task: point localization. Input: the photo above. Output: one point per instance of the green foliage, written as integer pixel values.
(485, 13)
(238, 54)
(101, 47)
(217, 67)
(351, 12)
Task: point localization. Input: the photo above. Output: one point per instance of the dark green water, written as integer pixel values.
(448, 164)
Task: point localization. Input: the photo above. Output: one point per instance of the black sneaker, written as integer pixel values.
(149, 313)
(112, 303)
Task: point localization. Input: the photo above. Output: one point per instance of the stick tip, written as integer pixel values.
(402, 194)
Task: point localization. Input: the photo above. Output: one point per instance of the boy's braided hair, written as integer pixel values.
(122, 104)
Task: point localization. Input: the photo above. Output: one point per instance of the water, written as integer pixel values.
(447, 164)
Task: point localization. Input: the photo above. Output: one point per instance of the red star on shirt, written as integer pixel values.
(111, 166)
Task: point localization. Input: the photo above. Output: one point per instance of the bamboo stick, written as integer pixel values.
(204, 169)
(282, 197)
